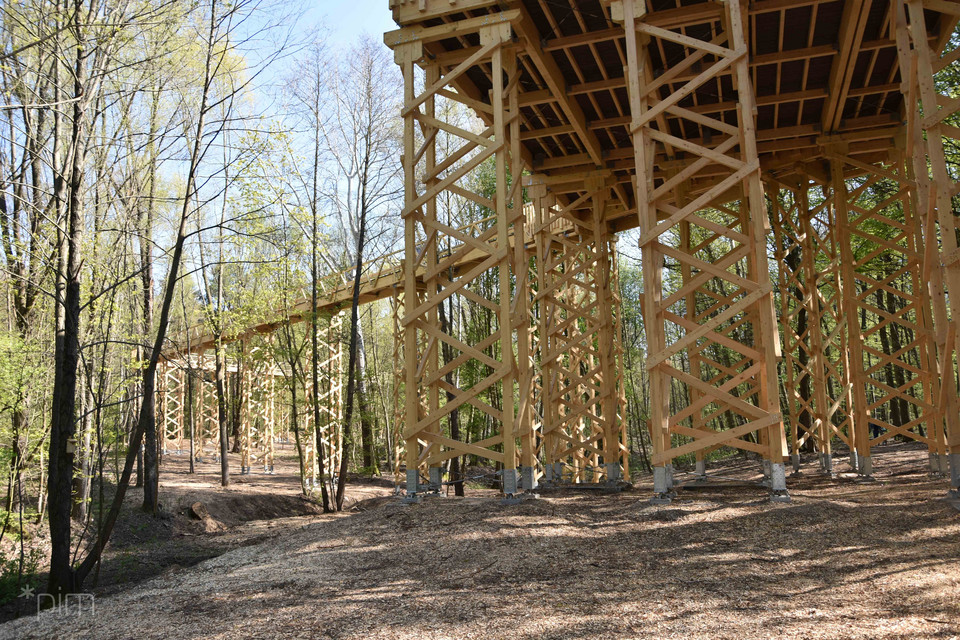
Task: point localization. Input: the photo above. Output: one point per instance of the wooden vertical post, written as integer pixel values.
(637, 74)
(694, 360)
(788, 240)
(520, 312)
(768, 399)
(542, 202)
(490, 35)
(919, 64)
(398, 383)
(617, 307)
(430, 361)
(246, 411)
(860, 412)
(606, 340)
(405, 56)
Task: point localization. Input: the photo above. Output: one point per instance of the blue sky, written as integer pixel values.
(345, 20)
(340, 22)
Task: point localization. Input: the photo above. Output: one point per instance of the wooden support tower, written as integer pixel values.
(249, 411)
(718, 200)
(813, 322)
(488, 283)
(325, 436)
(579, 338)
(172, 406)
(895, 385)
(258, 413)
(929, 114)
(399, 379)
(330, 395)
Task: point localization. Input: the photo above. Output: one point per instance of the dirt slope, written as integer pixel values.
(842, 560)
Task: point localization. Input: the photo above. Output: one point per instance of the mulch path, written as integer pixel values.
(843, 559)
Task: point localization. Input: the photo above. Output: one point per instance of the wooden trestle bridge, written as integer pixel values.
(708, 126)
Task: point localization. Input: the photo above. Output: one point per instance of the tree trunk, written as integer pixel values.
(151, 476)
(237, 404)
(447, 351)
(793, 259)
(147, 408)
(888, 373)
(367, 442)
(62, 579)
(352, 360)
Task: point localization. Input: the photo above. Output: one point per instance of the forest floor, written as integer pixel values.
(843, 559)
(252, 509)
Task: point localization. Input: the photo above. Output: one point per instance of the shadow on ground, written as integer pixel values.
(843, 560)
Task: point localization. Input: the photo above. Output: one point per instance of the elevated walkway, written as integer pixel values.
(383, 278)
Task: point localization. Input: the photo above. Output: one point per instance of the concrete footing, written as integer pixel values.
(613, 472)
(826, 463)
(528, 478)
(795, 461)
(520, 498)
(553, 473)
(765, 469)
(660, 484)
(938, 464)
(510, 482)
(865, 468)
(778, 483)
(701, 472)
(854, 460)
(436, 479)
(413, 485)
(955, 473)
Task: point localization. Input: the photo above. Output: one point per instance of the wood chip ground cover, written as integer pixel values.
(843, 559)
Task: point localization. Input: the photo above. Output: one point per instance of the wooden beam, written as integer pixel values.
(447, 30)
(589, 37)
(526, 28)
(852, 24)
(408, 11)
